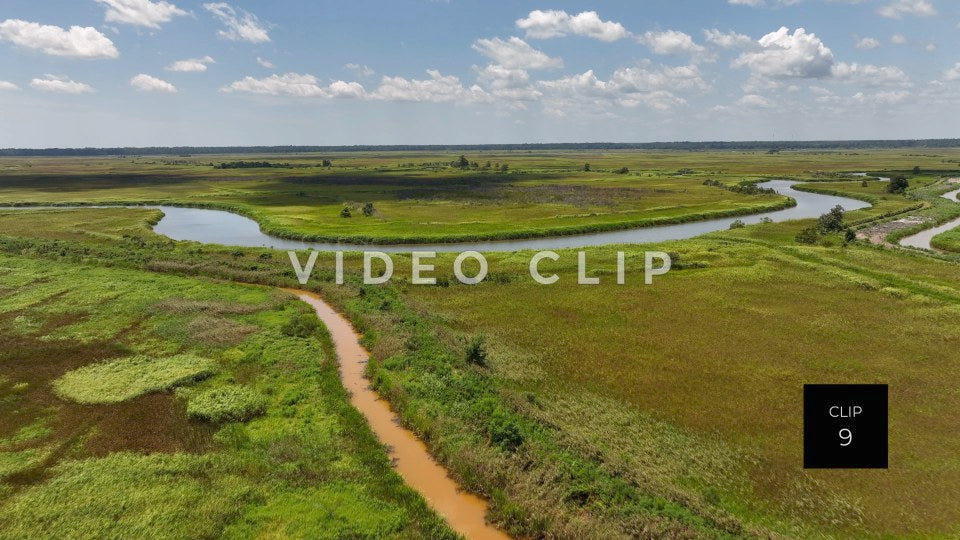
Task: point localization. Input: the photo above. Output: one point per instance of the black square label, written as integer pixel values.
(845, 426)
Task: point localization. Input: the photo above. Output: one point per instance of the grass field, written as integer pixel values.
(671, 410)
(419, 197)
(93, 445)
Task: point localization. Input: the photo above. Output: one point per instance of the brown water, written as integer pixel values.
(464, 512)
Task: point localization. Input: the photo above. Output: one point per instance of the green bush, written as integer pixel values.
(738, 224)
(301, 325)
(126, 378)
(476, 352)
(227, 404)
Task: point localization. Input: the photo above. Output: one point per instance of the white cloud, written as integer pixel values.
(898, 39)
(898, 8)
(728, 40)
(754, 100)
(288, 84)
(670, 42)
(342, 89)
(952, 74)
(881, 98)
(141, 12)
(61, 85)
(360, 69)
(751, 3)
(557, 23)
(241, 25)
(628, 87)
(867, 43)
(7, 85)
(146, 83)
(783, 55)
(265, 63)
(870, 75)
(438, 88)
(510, 85)
(515, 53)
(77, 42)
(191, 65)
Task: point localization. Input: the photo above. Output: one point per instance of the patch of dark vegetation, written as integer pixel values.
(152, 423)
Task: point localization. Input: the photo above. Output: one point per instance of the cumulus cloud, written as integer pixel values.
(77, 42)
(7, 85)
(670, 42)
(645, 85)
(751, 3)
(265, 63)
(60, 85)
(782, 55)
(438, 88)
(898, 39)
(557, 23)
(288, 84)
(952, 74)
(867, 43)
(515, 53)
(898, 8)
(754, 100)
(870, 75)
(241, 25)
(510, 85)
(728, 40)
(191, 65)
(146, 83)
(141, 12)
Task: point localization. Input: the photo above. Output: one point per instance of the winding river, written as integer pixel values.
(226, 228)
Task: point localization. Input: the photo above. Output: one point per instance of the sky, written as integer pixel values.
(79, 73)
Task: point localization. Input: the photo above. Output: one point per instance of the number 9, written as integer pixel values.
(846, 436)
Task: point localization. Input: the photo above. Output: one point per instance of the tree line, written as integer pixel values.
(679, 145)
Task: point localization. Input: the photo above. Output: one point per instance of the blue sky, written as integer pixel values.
(148, 72)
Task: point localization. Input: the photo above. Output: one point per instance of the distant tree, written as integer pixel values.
(462, 162)
(368, 209)
(832, 221)
(850, 236)
(738, 224)
(586, 167)
(327, 163)
(916, 170)
(504, 168)
(898, 184)
(345, 213)
(622, 170)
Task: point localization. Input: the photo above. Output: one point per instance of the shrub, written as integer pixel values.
(368, 209)
(345, 212)
(227, 404)
(127, 378)
(832, 221)
(505, 431)
(899, 184)
(477, 350)
(850, 235)
(738, 224)
(301, 325)
(622, 170)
